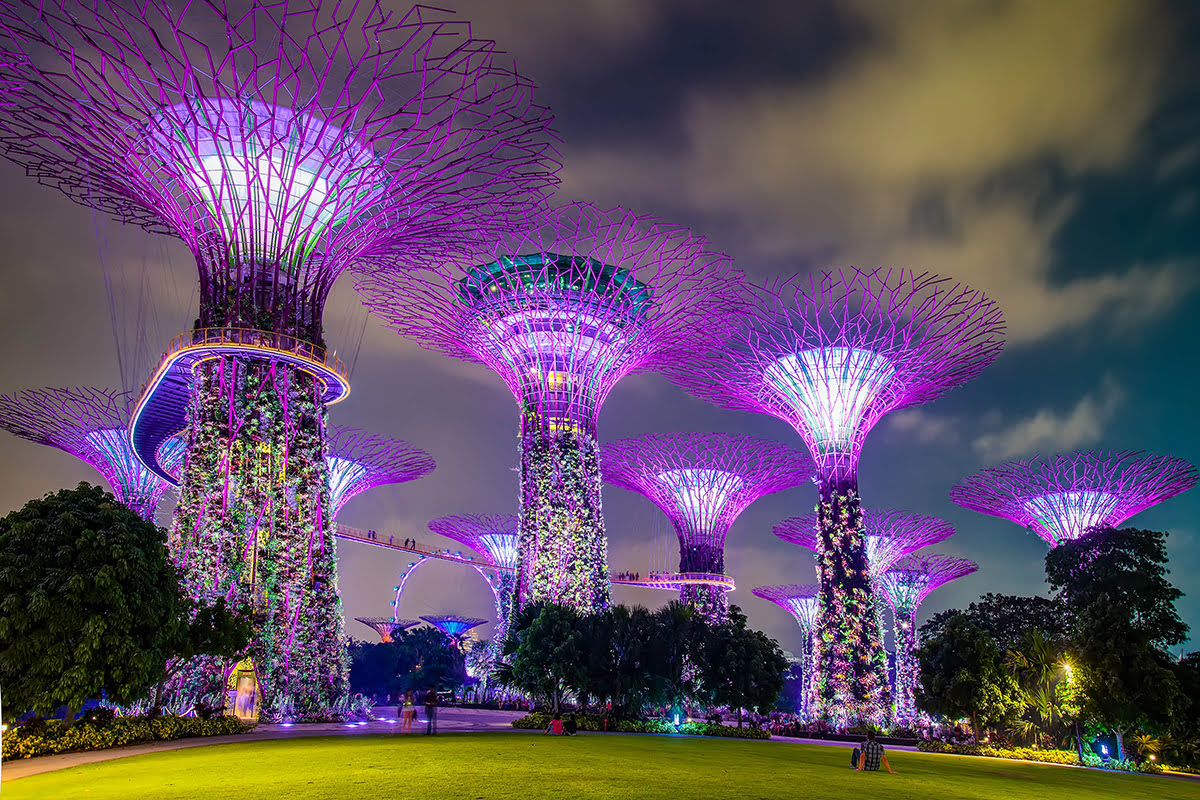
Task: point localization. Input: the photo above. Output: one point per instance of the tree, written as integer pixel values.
(214, 630)
(90, 604)
(673, 647)
(1009, 619)
(963, 675)
(1114, 583)
(434, 662)
(545, 653)
(741, 668)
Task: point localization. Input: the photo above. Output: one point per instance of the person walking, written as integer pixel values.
(408, 709)
(431, 707)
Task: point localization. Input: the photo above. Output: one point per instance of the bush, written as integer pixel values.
(52, 736)
(1018, 753)
(1128, 765)
(539, 721)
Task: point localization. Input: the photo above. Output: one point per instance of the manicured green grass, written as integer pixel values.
(498, 766)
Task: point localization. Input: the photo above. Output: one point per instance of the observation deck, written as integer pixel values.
(678, 580)
(161, 411)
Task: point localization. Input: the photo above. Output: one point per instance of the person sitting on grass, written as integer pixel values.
(871, 755)
(556, 726)
(571, 726)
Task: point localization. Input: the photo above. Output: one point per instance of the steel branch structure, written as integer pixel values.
(1062, 497)
(889, 534)
(831, 353)
(561, 313)
(906, 585)
(703, 482)
(358, 461)
(92, 425)
(282, 142)
(386, 627)
(494, 536)
(454, 626)
(800, 600)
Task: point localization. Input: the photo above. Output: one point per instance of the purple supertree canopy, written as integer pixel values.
(1062, 497)
(703, 481)
(92, 425)
(831, 353)
(912, 578)
(490, 535)
(282, 142)
(889, 534)
(359, 461)
(454, 625)
(566, 310)
(798, 599)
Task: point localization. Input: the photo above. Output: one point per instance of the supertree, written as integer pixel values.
(358, 461)
(92, 425)
(800, 600)
(283, 143)
(703, 482)
(906, 584)
(831, 353)
(386, 627)
(494, 536)
(561, 313)
(1062, 497)
(889, 534)
(454, 626)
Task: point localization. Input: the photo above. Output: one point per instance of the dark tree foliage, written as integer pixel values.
(415, 659)
(1184, 730)
(963, 675)
(1009, 619)
(90, 604)
(546, 653)
(214, 630)
(1128, 568)
(739, 667)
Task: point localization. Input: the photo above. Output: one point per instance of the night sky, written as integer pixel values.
(1047, 153)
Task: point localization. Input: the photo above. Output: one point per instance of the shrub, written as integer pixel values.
(1018, 753)
(52, 736)
(1128, 765)
(539, 721)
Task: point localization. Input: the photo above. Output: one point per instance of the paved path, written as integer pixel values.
(449, 719)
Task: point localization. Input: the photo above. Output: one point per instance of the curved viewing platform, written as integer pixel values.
(677, 580)
(390, 542)
(161, 411)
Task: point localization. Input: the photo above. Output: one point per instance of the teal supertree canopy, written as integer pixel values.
(562, 312)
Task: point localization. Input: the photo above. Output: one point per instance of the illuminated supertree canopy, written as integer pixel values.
(1062, 497)
(358, 461)
(561, 313)
(494, 536)
(800, 600)
(386, 627)
(831, 353)
(454, 626)
(283, 143)
(92, 425)
(889, 534)
(906, 585)
(703, 482)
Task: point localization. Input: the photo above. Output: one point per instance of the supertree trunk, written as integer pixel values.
(505, 588)
(851, 665)
(251, 526)
(710, 602)
(563, 550)
(906, 668)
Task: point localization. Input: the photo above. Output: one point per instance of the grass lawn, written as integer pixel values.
(497, 766)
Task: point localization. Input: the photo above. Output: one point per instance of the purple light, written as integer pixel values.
(90, 424)
(454, 626)
(832, 353)
(359, 461)
(802, 601)
(703, 482)
(387, 627)
(1062, 497)
(889, 534)
(561, 313)
(491, 535)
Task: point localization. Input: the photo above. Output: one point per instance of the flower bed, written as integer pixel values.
(1018, 753)
(539, 721)
(47, 737)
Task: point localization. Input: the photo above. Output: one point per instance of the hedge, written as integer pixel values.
(47, 737)
(1018, 753)
(539, 721)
